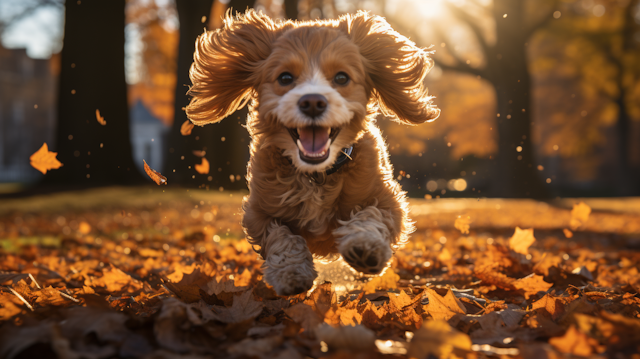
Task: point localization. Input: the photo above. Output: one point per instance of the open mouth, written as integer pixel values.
(313, 142)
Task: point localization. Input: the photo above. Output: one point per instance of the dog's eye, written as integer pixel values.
(285, 79)
(341, 78)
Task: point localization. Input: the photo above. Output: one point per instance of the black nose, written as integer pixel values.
(312, 105)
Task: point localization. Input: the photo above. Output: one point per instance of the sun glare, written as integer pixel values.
(430, 9)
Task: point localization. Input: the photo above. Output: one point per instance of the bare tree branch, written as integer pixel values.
(460, 67)
(470, 21)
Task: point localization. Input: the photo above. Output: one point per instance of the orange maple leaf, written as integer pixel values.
(186, 128)
(44, 160)
(100, 118)
(579, 215)
(154, 175)
(203, 168)
(521, 240)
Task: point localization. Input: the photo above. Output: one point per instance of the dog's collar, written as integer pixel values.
(345, 156)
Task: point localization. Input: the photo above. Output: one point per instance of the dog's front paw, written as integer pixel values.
(366, 252)
(291, 280)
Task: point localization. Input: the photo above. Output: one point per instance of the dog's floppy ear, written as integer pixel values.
(395, 68)
(224, 70)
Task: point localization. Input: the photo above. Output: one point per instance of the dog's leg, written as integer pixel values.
(364, 241)
(288, 264)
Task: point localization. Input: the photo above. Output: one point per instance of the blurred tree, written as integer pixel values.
(498, 55)
(291, 9)
(587, 70)
(92, 78)
(225, 143)
(156, 82)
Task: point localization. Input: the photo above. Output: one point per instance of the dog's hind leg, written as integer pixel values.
(288, 264)
(364, 241)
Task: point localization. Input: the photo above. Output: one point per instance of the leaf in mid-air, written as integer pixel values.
(154, 175)
(44, 160)
(100, 118)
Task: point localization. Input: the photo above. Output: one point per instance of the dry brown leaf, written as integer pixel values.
(462, 224)
(44, 160)
(443, 308)
(188, 288)
(576, 342)
(521, 240)
(244, 308)
(10, 306)
(114, 281)
(437, 338)
(202, 168)
(551, 305)
(532, 284)
(388, 280)
(186, 128)
(579, 215)
(356, 338)
(304, 315)
(154, 175)
(100, 118)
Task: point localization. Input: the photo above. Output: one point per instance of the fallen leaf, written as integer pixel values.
(255, 347)
(188, 288)
(443, 308)
(579, 215)
(521, 240)
(576, 342)
(462, 224)
(186, 128)
(114, 281)
(202, 168)
(84, 227)
(154, 175)
(100, 118)
(532, 284)
(305, 316)
(244, 308)
(552, 305)
(388, 280)
(356, 338)
(44, 160)
(437, 338)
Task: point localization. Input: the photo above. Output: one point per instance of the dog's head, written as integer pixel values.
(314, 82)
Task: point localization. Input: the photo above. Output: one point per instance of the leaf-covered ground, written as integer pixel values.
(167, 274)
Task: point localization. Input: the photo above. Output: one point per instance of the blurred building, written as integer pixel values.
(27, 111)
(148, 135)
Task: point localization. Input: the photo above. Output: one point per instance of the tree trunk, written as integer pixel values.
(515, 173)
(92, 78)
(225, 143)
(291, 9)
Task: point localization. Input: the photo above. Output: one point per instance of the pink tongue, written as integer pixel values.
(313, 139)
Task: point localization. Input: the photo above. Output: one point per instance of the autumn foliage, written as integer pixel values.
(154, 279)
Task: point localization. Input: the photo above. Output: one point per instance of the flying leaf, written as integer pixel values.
(199, 153)
(154, 175)
(579, 215)
(100, 118)
(44, 160)
(462, 224)
(521, 240)
(186, 128)
(203, 168)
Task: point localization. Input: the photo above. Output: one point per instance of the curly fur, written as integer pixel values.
(360, 211)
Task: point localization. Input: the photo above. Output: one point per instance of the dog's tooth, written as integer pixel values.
(300, 146)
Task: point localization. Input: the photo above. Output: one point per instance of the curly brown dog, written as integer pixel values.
(320, 181)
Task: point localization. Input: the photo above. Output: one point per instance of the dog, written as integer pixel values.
(319, 177)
